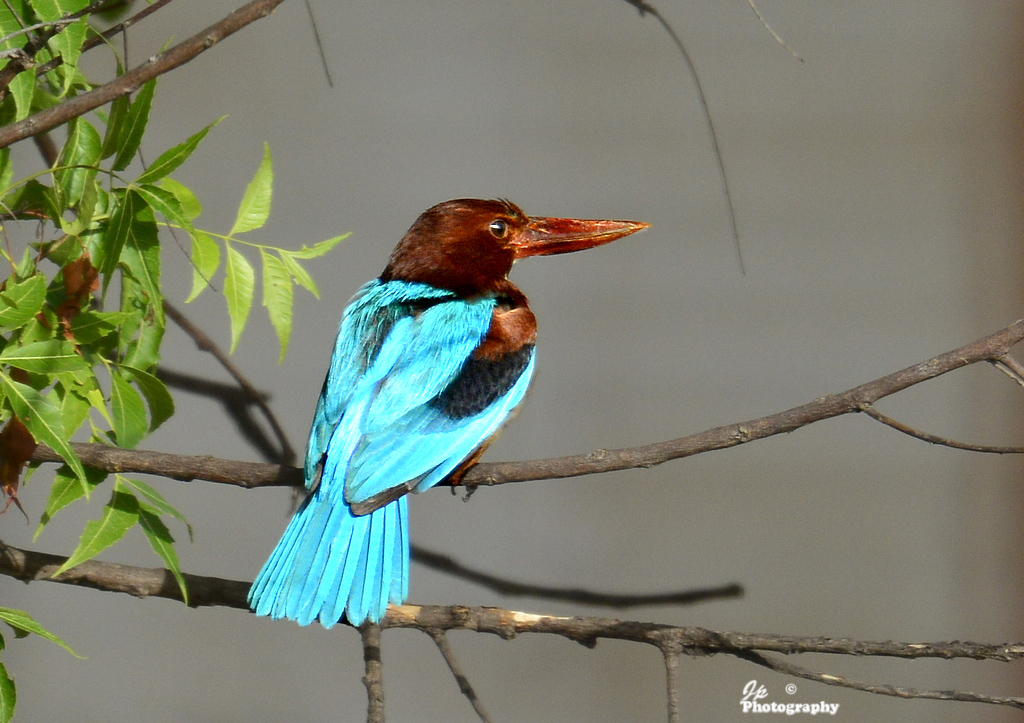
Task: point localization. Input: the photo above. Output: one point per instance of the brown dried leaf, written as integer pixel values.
(16, 448)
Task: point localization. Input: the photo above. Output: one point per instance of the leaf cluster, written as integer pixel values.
(81, 308)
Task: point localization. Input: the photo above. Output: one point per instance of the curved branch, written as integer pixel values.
(131, 81)
(252, 474)
(934, 438)
(205, 591)
(989, 348)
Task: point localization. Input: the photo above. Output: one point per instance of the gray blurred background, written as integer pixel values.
(878, 189)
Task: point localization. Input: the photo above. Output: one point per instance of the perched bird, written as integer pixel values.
(431, 359)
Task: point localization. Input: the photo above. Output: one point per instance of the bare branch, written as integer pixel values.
(774, 34)
(131, 81)
(207, 591)
(672, 682)
(646, 8)
(178, 466)
(374, 677)
(251, 474)
(935, 439)
(441, 640)
(989, 348)
(797, 671)
(1011, 367)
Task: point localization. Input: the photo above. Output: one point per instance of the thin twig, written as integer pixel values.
(798, 671)
(621, 601)
(205, 343)
(319, 44)
(54, 25)
(374, 677)
(465, 687)
(672, 654)
(134, 79)
(647, 9)
(935, 439)
(1011, 367)
(769, 29)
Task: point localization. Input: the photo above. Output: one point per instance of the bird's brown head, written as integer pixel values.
(469, 245)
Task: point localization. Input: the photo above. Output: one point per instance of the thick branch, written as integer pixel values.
(178, 466)
(858, 399)
(431, 619)
(131, 81)
(833, 405)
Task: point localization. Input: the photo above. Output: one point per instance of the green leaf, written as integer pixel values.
(21, 620)
(301, 276)
(319, 249)
(68, 45)
(162, 543)
(90, 326)
(8, 694)
(159, 399)
(205, 262)
(144, 352)
(44, 357)
(166, 204)
(134, 126)
(278, 296)
(66, 489)
(115, 122)
(20, 302)
(6, 170)
(23, 87)
(140, 257)
(255, 206)
(153, 499)
(31, 200)
(50, 10)
(129, 412)
(120, 514)
(74, 404)
(43, 420)
(173, 157)
(188, 201)
(238, 290)
(118, 229)
(82, 148)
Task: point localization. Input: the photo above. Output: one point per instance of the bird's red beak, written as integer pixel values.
(546, 236)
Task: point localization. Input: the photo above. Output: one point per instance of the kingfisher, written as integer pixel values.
(431, 359)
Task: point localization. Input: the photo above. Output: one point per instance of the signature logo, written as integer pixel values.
(754, 693)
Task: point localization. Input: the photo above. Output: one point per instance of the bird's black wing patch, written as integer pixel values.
(480, 383)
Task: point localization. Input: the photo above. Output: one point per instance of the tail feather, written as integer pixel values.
(330, 563)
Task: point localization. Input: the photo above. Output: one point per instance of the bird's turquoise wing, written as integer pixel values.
(377, 425)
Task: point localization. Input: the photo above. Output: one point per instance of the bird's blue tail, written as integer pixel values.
(330, 563)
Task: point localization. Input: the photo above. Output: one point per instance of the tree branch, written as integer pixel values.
(433, 619)
(131, 81)
(252, 474)
(374, 677)
(465, 687)
(934, 438)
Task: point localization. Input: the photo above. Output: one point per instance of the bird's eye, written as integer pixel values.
(498, 228)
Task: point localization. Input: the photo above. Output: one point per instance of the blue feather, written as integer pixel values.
(399, 346)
